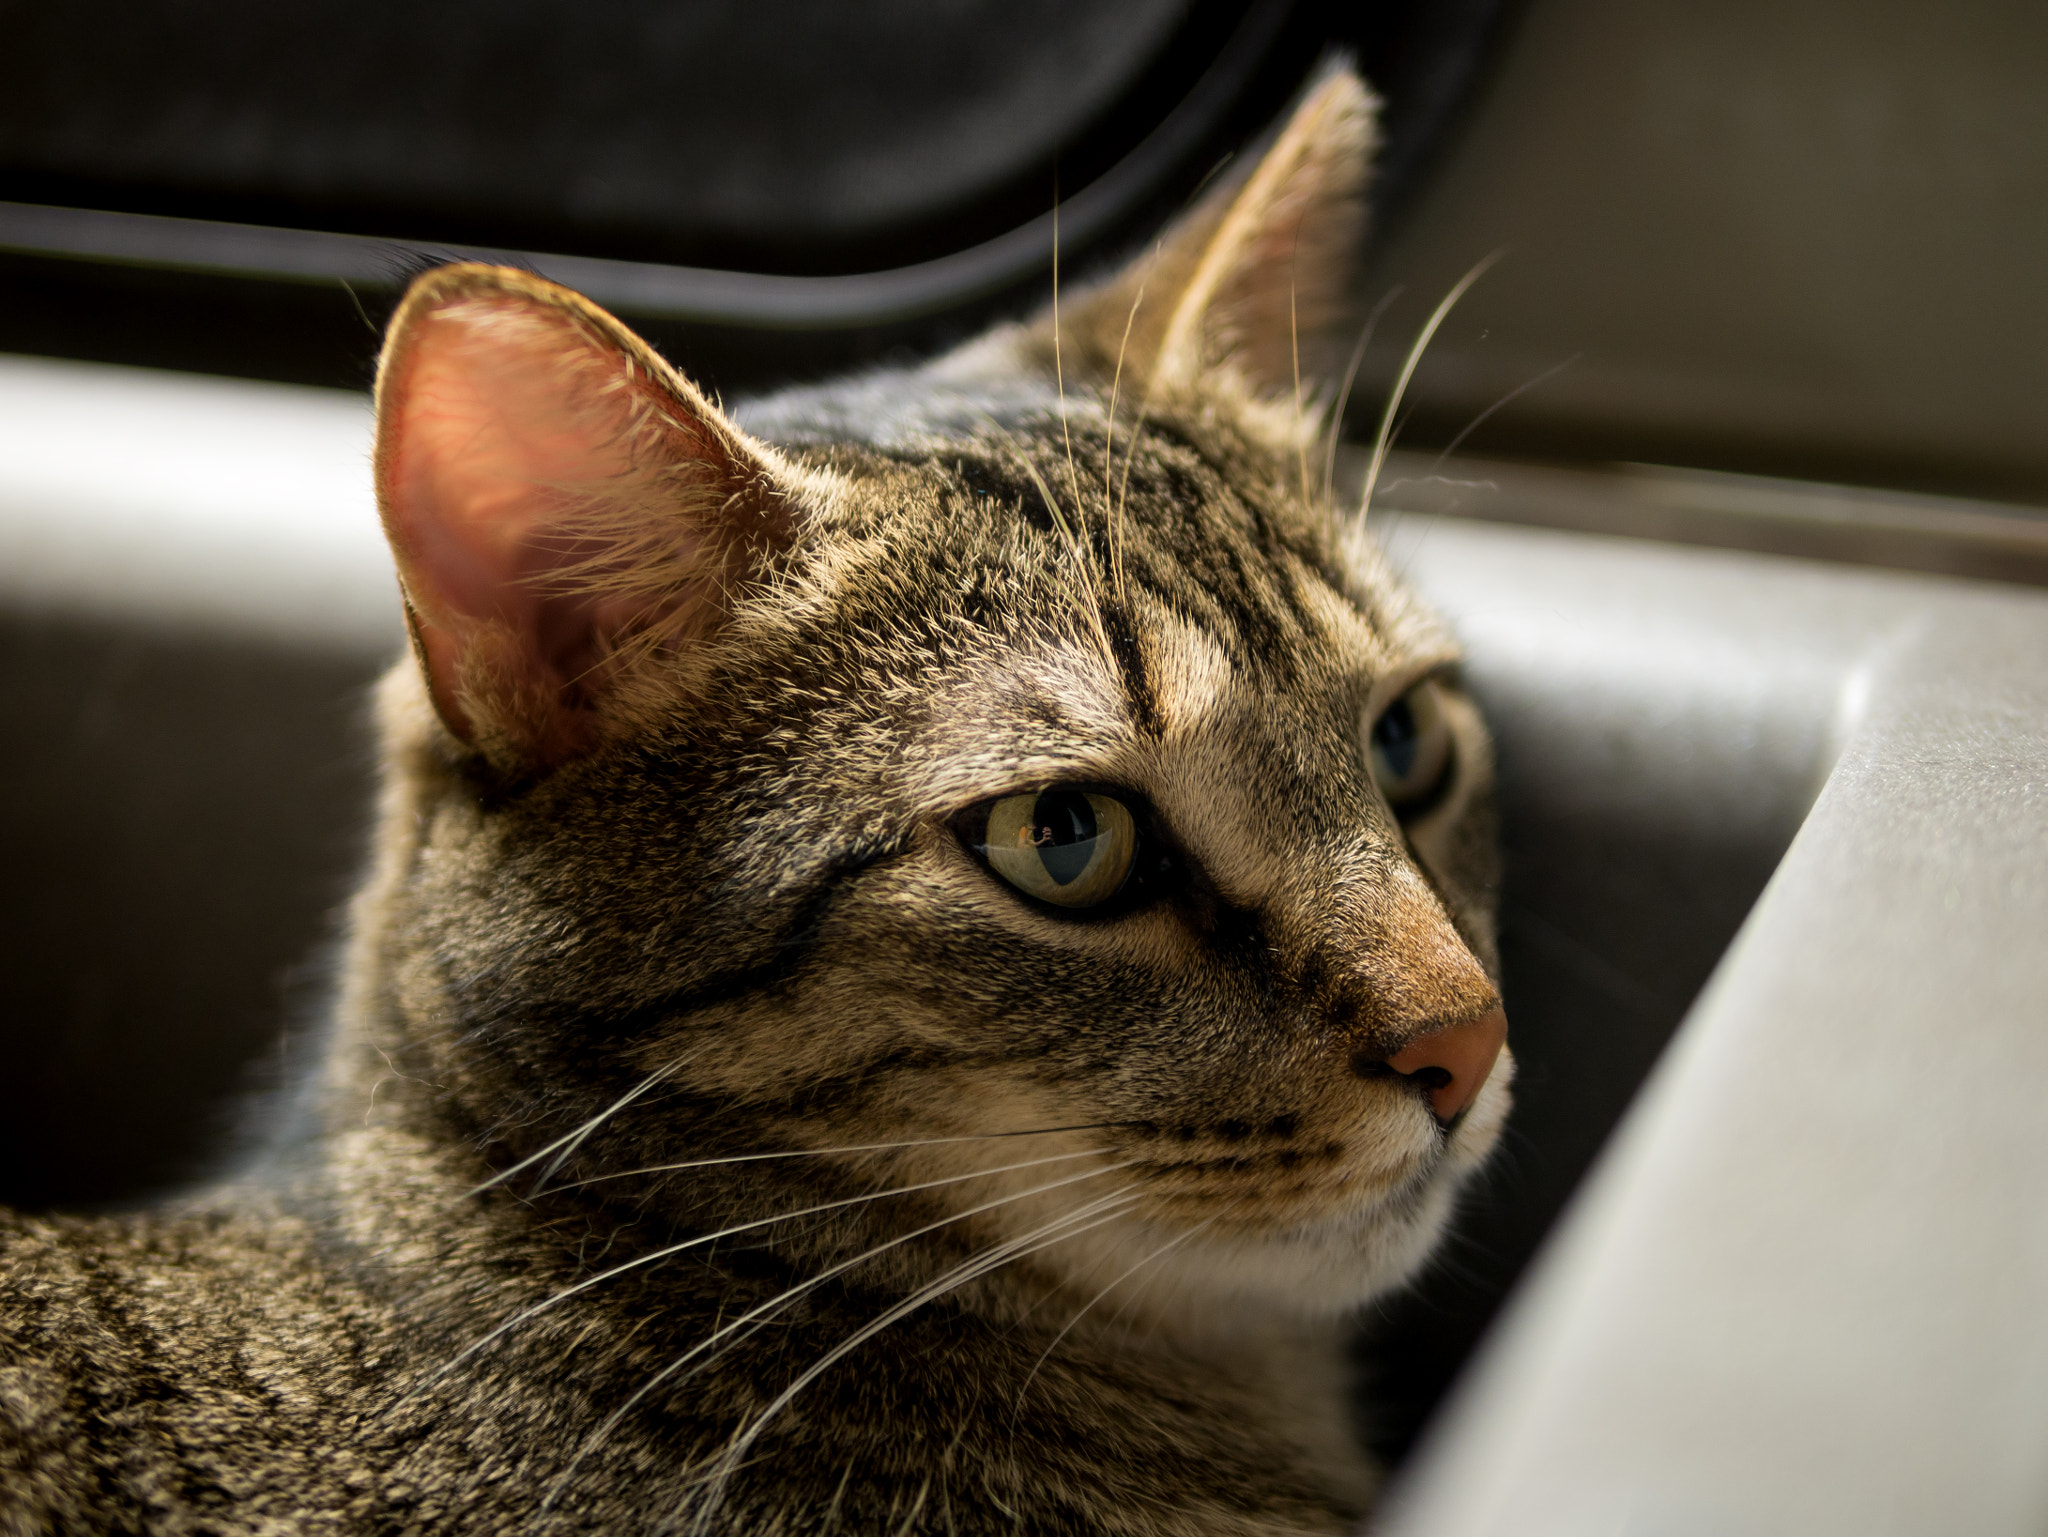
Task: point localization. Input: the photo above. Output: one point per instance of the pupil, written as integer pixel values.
(1396, 738)
(1063, 826)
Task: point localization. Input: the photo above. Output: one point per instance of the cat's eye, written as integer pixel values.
(1410, 748)
(1073, 848)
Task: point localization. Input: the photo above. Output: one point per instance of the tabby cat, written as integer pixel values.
(928, 939)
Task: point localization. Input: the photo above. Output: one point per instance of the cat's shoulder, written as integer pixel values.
(180, 1288)
(166, 1360)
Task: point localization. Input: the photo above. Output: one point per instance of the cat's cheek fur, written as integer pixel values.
(1010, 990)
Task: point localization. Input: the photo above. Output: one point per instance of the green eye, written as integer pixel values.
(1410, 747)
(1074, 848)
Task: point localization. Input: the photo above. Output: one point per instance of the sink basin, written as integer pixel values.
(1800, 1290)
(1775, 938)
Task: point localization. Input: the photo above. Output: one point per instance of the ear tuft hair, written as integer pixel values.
(1257, 279)
(566, 510)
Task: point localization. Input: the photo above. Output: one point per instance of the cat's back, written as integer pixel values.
(185, 1370)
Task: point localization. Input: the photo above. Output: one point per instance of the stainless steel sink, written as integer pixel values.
(192, 596)
(1802, 1290)
(1794, 812)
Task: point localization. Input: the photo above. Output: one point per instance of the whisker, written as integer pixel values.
(1344, 395)
(1521, 389)
(1422, 341)
(760, 1316)
(1123, 489)
(1165, 1248)
(1058, 371)
(1093, 610)
(821, 1152)
(1052, 504)
(570, 1141)
(1138, 431)
(1116, 523)
(1294, 347)
(746, 1227)
(790, 1294)
(1038, 1239)
(1071, 532)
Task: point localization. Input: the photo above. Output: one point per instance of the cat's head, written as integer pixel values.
(1011, 769)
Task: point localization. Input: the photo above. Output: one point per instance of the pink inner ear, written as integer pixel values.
(509, 442)
(497, 417)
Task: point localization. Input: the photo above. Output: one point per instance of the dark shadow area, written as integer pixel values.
(787, 138)
(181, 817)
(780, 136)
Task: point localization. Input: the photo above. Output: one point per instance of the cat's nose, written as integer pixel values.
(1452, 1064)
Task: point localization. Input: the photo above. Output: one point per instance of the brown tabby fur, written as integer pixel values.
(665, 834)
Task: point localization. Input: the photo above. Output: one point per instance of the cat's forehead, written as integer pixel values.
(1142, 576)
(1091, 703)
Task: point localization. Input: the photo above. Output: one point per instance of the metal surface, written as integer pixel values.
(1895, 529)
(194, 596)
(179, 502)
(1801, 1293)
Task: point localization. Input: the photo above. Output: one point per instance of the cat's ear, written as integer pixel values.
(569, 514)
(1258, 277)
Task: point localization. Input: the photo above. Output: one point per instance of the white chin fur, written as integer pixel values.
(1312, 1272)
(1201, 1282)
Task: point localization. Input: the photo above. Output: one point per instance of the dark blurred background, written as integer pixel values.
(1799, 238)
(782, 137)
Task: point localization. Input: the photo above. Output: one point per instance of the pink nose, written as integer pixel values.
(1453, 1063)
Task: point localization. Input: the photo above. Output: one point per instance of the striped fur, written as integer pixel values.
(708, 1141)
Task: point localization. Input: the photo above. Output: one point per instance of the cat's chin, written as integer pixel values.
(1201, 1281)
(1198, 1283)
